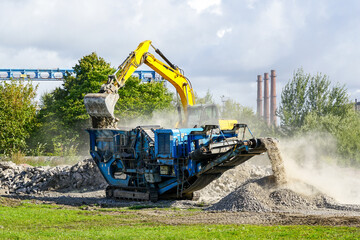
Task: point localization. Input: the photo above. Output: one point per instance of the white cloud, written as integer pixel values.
(33, 58)
(219, 44)
(213, 6)
(220, 33)
(251, 3)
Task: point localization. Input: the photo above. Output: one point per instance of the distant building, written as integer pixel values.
(357, 105)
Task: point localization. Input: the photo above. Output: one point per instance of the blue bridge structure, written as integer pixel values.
(59, 74)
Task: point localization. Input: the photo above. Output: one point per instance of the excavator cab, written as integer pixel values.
(201, 115)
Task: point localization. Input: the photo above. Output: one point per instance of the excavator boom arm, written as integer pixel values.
(167, 71)
(102, 104)
(175, 77)
(131, 63)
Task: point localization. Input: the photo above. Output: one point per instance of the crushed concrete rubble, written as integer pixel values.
(27, 179)
(276, 192)
(231, 180)
(263, 195)
(253, 188)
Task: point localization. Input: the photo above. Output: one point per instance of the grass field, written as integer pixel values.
(26, 220)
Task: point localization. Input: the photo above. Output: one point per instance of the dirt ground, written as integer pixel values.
(154, 212)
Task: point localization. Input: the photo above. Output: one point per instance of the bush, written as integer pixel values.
(17, 115)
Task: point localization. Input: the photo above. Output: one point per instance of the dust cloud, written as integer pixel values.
(165, 119)
(312, 159)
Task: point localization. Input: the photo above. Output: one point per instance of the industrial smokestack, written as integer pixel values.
(266, 99)
(273, 99)
(259, 96)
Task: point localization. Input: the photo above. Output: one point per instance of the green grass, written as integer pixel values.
(24, 220)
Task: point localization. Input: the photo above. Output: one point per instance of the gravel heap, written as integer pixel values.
(275, 192)
(231, 180)
(264, 195)
(27, 179)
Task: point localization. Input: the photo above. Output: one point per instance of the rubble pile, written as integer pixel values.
(231, 180)
(263, 195)
(276, 192)
(27, 179)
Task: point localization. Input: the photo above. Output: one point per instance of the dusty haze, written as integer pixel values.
(166, 119)
(312, 160)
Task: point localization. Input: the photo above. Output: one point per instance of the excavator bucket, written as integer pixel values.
(101, 104)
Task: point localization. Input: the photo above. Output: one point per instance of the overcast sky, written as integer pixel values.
(221, 45)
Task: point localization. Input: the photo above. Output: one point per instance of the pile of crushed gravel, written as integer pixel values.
(275, 192)
(27, 179)
(264, 195)
(231, 180)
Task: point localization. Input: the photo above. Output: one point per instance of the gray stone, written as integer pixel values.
(21, 190)
(84, 174)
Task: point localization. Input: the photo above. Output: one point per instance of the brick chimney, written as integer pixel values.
(259, 109)
(266, 99)
(273, 119)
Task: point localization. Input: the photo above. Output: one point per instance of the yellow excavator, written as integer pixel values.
(100, 106)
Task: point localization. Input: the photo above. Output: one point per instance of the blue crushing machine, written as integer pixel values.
(151, 163)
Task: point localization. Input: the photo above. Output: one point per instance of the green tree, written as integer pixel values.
(306, 94)
(17, 115)
(91, 72)
(63, 116)
(207, 99)
(346, 130)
